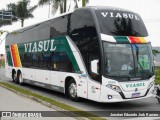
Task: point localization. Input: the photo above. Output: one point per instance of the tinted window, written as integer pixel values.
(44, 60)
(35, 60)
(83, 32)
(120, 23)
(26, 59)
(61, 62)
(58, 27)
(57, 61)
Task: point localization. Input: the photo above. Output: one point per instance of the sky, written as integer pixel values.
(148, 10)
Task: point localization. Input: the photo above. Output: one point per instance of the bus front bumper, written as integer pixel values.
(113, 96)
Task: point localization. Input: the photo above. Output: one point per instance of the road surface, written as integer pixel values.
(10, 101)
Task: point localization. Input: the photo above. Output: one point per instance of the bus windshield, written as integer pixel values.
(124, 62)
(120, 23)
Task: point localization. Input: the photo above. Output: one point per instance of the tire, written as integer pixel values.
(14, 76)
(158, 94)
(20, 79)
(16, 80)
(72, 90)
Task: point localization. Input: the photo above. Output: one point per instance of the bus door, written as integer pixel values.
(94, 77)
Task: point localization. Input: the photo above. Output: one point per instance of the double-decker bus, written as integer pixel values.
(97, 53)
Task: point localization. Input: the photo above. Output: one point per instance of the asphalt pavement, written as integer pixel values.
(25, 108)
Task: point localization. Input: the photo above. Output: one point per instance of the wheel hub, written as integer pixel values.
(73, 90)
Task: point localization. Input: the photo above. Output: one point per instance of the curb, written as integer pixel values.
(70, 114)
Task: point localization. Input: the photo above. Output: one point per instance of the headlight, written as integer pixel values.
(151, 84)
(114, 87)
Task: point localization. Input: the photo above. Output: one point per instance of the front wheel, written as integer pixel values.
(72, 90)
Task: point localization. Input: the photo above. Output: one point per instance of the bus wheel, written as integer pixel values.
(16, 79)
(72, 90)
(20, 79)
(158, 94)
(14, 76)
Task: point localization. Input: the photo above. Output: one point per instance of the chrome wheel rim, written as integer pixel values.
(14, 77)
(20, 78)
(73, 90)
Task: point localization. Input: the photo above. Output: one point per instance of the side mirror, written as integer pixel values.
(95, 66)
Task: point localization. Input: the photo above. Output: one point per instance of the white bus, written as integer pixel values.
(97, 53)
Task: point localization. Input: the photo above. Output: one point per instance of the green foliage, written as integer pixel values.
(2, 32)
(58, 4)
(2, 63)
(55, 5)
(5, 22)
(20, 11)
(14, 33)
(157, 75)
(155, 52)
(84, 2)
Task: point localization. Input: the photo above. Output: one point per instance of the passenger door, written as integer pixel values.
(94, 86)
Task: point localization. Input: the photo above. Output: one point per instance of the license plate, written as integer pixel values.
(134, 95)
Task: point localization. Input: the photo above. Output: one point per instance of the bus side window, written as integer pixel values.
(82, 30)
(61, 62)
(58, 27)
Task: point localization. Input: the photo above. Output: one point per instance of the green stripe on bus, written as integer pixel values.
(60, 44)
(121, 39)
(9, 57)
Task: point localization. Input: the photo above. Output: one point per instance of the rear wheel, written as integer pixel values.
(14, 76)
(20, 79)
(72, 90)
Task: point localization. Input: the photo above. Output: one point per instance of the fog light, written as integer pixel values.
(110, 97)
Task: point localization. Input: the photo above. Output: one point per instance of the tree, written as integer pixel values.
(155, 52)
(56, 4)
(10, 7)
(20, 11)
(6, 32)
(84, 2)
(5, 22)
(23, 11)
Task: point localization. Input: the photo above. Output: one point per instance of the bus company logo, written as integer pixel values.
(119, 15)
(40, 46)
(135, 85)
(6, 114)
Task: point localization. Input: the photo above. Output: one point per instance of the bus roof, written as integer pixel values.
(92, 8)
(17, 38)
